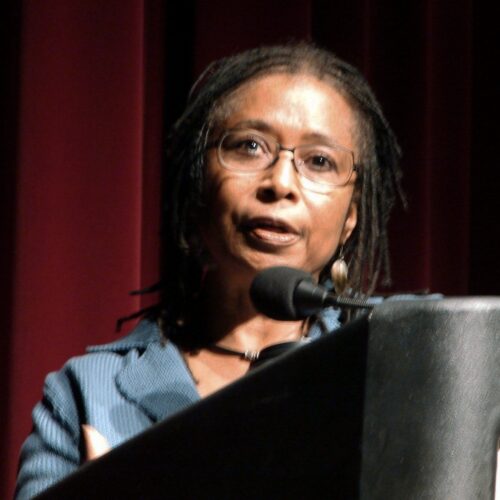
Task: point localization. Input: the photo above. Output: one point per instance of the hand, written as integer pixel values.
(95, 443)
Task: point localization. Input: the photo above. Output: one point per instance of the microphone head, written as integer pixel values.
(272, 292)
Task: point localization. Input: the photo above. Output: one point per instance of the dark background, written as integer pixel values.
(89, 89)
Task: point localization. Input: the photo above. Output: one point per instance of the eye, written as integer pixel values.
(245, 144)
(320, 161)
(249, 146)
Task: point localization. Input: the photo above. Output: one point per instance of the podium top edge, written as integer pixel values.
(465, 303)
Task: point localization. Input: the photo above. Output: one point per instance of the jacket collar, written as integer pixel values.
(141, 336)
(158, 380)
(155, 376)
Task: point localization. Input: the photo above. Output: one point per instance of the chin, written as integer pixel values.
(246, 263)
(273, 261)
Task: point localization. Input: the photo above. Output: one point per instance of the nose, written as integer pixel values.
(280, 181)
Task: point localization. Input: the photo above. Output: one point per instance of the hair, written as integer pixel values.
(377, 185)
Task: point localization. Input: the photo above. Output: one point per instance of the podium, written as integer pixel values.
(402, 403)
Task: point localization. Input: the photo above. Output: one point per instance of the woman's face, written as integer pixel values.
(267, 218)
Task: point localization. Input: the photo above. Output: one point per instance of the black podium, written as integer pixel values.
(401, 404)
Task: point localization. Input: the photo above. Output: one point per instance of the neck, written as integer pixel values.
(231, 320)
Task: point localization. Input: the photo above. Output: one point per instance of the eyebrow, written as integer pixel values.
(255, 124)
(262, 126)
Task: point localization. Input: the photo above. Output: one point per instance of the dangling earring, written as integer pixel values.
(339, 272)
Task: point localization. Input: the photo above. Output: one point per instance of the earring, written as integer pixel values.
(339, 272)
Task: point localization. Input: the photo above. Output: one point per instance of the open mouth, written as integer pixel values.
(274, 232)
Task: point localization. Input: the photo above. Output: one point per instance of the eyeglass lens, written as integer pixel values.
(248, 150)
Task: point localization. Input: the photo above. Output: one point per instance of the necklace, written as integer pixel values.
(248, 355)
(263, 355)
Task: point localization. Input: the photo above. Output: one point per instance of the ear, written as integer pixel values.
(350, 222)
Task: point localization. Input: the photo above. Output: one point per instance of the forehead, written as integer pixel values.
(292, 105)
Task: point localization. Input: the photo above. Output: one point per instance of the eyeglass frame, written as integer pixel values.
(327, 187)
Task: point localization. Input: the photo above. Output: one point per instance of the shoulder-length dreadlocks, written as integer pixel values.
(378, 181)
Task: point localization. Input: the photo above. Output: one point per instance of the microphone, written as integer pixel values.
(289, 294)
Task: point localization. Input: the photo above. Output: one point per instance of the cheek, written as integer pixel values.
(225, 198)
(327, 219)
(225, 194)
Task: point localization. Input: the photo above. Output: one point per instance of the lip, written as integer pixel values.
(270, 231)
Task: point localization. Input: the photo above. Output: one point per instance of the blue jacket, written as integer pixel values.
(121, 389)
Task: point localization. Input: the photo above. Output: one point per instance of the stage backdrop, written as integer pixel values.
(91, 88)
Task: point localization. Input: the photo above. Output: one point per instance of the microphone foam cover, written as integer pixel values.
(272, 292)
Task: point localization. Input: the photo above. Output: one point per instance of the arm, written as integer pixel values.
(52, 450)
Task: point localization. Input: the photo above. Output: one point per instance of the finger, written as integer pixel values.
(95, 443)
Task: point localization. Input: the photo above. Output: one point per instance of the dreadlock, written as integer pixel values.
(378, 181)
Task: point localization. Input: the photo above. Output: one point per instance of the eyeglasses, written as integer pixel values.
(322, 167)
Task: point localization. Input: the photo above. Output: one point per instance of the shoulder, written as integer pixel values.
(137, 376)
(122, 376)
(101, 361)
(88, 382)
(94, 372)
(110, 357)
(329, 319)
(404, 297)
(146, 332)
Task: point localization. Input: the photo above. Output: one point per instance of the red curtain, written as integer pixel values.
(85, 188)
(91, 86)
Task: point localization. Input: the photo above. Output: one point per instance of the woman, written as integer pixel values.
(282, 157)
